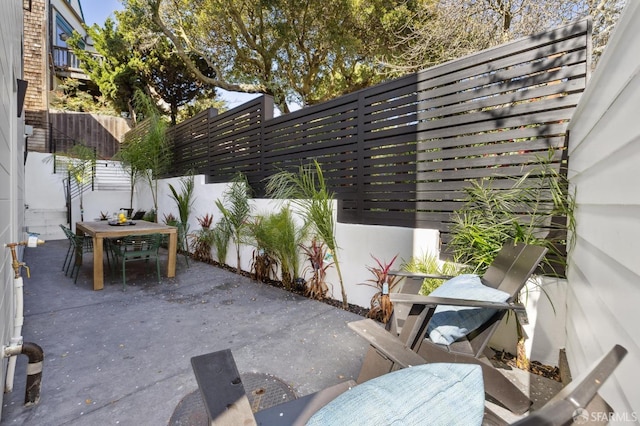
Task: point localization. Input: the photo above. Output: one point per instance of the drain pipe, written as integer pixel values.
(34, 369)
(17, 346)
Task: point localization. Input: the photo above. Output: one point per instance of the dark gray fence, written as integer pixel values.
(101, 132)
(401, 153)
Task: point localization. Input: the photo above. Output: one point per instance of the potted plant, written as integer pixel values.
(381, 305)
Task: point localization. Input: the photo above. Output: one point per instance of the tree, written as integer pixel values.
(448, 29)
(130, 62)
(145, 150)
(116, 71)
(304, 52)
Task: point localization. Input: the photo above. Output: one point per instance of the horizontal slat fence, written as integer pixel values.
(102, 132)
(401, 153)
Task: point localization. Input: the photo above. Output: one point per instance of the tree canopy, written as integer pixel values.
(298, 51)
(311, 51)
(129, 62)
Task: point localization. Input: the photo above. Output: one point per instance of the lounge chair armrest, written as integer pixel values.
(420, 275)
(387, 344)
(221, 387)
(432, 301)
(561, 409)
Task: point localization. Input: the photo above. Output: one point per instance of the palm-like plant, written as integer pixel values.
(308, 191)
(221, 237)
(184, 201)
(429, 264)
(236, 211)
(536, 209)
(146, 153)
(278, 235)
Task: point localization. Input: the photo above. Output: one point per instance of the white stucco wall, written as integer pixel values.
(604, 268)
(11, 166)
(46, 202)
(356, 242)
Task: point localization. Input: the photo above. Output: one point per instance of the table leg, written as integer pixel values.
(173, 249)
(79, 250)
(98, 273)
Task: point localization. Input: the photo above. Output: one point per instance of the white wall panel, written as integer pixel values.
(604, 267)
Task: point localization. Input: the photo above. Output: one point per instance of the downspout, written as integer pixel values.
(16, 346)
(34, 369)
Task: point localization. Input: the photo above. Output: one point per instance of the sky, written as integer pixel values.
(97, 11)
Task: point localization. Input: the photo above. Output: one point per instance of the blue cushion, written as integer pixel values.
(449, 323)
(430, 394)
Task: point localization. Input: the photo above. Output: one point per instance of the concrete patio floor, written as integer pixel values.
(115, 357)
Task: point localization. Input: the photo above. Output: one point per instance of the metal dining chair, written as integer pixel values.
(138, 247)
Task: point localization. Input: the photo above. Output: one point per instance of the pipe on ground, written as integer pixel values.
(34, 369)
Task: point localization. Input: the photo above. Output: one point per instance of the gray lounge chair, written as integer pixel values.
(509, 272)
(226, 401)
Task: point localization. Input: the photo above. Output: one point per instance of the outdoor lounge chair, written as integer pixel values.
(460, 342)
(426, 394)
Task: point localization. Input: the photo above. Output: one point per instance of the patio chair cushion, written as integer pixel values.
(429, 394)
(449, 323)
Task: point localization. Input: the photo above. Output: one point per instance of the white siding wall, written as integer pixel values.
(604, 270)
(11, 170)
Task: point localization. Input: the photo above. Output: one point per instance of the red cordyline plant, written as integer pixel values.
(316, 286)
(206, 221)
(381, 305)
(202, 240)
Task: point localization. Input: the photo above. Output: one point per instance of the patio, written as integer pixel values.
(114, 357)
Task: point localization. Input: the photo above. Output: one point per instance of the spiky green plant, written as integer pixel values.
(184, 201)
(308, 190)
(236, 211)
(221, 237)
(279, 235)
(537, 208)
(202, 240)
(145, 153)
(429, 264)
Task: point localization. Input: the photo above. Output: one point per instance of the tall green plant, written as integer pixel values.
(80, 164)
(184, 201)
(279, 235)
(236, 211)
(308, 191)
(537, 208)
(429, 264)
(220, 238)
(145, 153)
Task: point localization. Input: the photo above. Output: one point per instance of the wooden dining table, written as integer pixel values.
(100, 230)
